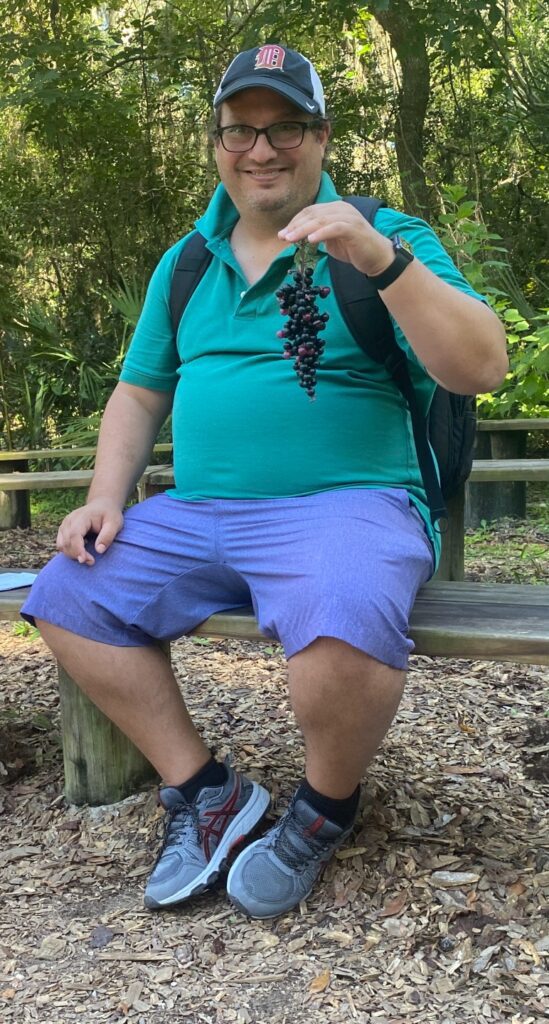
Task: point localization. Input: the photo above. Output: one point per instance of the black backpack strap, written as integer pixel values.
(360, 305)
(398, 367)
(366, 205)
(194, 260)
(359, 300)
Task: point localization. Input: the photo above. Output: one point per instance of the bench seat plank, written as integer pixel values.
(483, 470)
(488, 621)
(513, 424)
(44, 480)
(497, 470)
(24, 455)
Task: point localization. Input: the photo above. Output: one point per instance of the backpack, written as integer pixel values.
(449, 428)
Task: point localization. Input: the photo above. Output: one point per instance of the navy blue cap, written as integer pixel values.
(274, 67)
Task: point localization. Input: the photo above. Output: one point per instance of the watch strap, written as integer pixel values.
(402, 259)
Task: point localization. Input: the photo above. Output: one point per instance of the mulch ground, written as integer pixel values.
(438, 911)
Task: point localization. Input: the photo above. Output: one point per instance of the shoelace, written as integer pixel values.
(178, 820)
(289, 854)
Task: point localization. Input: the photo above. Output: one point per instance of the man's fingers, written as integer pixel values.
(317, 229)
(313, 217)
(102, 518)
(85, 558)
(107, 533)
(70, 542)
(333, 229)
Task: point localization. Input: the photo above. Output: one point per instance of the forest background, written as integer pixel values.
(440, 107)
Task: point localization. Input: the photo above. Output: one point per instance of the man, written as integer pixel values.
(313, 511)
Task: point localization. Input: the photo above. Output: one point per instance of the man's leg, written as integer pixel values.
(350, 566)
(211, 807)
(136, 688)
(344, 702)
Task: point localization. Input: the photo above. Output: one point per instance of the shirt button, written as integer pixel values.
(242, 294)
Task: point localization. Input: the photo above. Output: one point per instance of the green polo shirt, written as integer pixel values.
(242, 426)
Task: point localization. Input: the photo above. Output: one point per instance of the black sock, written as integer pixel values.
(341, 812)
(212, 774)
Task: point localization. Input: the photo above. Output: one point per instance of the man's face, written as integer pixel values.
(265, 180)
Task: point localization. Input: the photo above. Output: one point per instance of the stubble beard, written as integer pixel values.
(270, 204)
(282, 207)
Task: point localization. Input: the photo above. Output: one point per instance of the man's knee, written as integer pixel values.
(329, 656)
(331, 674)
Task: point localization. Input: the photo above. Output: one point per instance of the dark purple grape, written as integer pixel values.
(304, 324)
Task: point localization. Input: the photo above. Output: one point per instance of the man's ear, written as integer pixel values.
(324, 136)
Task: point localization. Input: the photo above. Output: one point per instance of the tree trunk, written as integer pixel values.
(408, 41)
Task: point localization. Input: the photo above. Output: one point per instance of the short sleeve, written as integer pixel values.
(152, 360)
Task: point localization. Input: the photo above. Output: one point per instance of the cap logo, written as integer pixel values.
(271, 58)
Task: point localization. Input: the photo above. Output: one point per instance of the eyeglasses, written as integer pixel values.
(239, 138)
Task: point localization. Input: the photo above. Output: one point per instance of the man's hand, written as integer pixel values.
(347, 235)
(101, 516)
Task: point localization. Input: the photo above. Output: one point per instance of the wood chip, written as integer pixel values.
(449, 879)
(321, 982)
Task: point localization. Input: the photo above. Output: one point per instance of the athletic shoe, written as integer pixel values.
(199, 836)
(272, 875)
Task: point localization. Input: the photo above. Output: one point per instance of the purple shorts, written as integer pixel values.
(344, 563)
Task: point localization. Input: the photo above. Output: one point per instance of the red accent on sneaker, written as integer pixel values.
(236, 842)
(221, 815)
(314, 827)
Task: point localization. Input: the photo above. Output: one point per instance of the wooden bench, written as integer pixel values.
(500, 441)
(55, 454)
(514, 425)
(15, 497)
(494, 622)
(57, 479)
(42, 480)
(17, 485)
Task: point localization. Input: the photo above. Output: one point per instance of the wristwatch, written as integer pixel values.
(402, 258)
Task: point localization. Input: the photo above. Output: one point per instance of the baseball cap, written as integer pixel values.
(274, 67)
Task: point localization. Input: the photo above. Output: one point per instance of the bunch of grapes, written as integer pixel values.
(305, 323)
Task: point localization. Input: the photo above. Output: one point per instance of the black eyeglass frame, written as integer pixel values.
(317, 123)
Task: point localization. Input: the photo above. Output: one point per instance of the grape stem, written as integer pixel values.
(307, 255)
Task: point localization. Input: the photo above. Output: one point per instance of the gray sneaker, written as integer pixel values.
(275, 873)
(199, 836)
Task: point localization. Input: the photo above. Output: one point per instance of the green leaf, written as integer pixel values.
(41, 722)
(466, 209)
(454, 193)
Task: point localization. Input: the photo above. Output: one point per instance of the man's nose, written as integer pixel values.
(262, 148)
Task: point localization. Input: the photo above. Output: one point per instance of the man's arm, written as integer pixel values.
(459, 340)
(131, 421)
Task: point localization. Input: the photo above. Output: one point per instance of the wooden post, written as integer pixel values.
(485, 502)
(14, 505)
(102, 765)
(452, 559)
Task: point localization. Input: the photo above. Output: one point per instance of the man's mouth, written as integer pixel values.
(269, 175)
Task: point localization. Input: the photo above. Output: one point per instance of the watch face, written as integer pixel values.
(401, 245)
